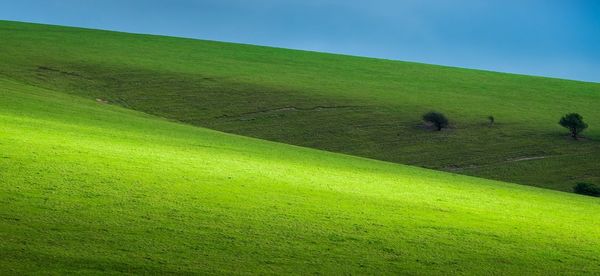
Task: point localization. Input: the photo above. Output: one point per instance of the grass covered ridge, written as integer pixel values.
(88, 187)
(359, 106)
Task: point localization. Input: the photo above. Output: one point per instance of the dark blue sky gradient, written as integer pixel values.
(556, 38)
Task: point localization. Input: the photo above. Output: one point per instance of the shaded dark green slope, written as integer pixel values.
(360, 106)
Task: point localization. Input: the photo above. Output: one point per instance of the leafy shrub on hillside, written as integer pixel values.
(491, 119)
(438, 119)
(587, 189)
(574, 122)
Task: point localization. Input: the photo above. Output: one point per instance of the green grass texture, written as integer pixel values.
(88, 187)
(353, 105)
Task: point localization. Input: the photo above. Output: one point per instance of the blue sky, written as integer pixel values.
(556, 38)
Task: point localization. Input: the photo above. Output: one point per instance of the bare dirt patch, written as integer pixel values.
(526, 158)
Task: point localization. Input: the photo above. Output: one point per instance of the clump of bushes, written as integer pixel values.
(438, 119)
(491, 119)
(574, 122)
(587, 189)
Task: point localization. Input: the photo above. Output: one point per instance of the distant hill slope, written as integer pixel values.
(359, 106)
(86, 187)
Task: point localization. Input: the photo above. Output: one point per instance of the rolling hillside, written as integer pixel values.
(353, 105)
(88, 187)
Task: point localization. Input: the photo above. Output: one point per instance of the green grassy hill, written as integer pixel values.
(359, 106)
(88, 187)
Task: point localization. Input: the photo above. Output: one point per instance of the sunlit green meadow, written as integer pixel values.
(87, 187)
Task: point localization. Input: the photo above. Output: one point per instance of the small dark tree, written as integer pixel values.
(587, 189)
(573, 122)
(437, 119)
(491, 119)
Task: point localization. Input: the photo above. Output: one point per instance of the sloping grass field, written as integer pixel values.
(89, 184)
(87, 187)
(353, 105)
